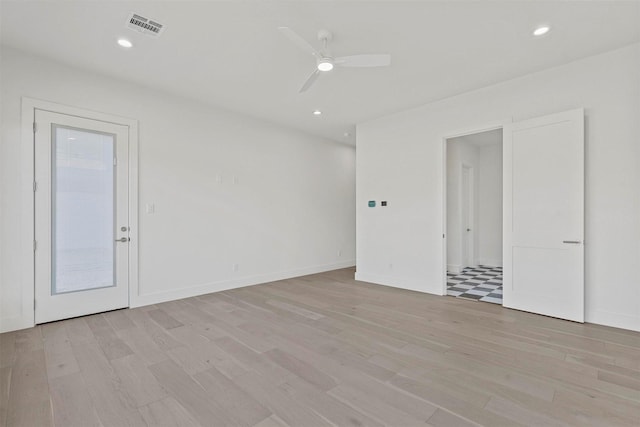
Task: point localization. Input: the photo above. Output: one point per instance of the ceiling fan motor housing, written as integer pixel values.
(325, 35)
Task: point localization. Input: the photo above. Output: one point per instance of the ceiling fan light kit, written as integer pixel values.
(325, 64)
(325, 61)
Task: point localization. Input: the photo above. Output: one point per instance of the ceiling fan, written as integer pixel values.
(325, 61)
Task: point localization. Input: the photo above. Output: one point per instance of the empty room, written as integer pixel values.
(319, 213)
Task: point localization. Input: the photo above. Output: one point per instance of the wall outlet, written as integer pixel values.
(339, 253)
(235, 267)
(235, 180)
(219, 178)
(390, 266)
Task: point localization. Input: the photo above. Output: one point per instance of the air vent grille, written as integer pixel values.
(144, 25)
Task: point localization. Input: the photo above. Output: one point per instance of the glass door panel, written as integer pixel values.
(83, 194)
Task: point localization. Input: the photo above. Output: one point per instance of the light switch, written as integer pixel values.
(150, 208)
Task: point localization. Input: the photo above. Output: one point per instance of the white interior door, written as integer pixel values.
(468, 228)
(81, 219)
(544, 215)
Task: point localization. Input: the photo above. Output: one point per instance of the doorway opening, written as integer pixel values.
(473, 194)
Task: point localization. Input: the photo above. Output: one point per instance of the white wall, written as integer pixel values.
(290, 212)
(489, 202)
(400, 158)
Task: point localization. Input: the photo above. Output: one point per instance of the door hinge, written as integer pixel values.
(35, 127)
(35, 186)
(115, 161)
(34, 304)
(35, 245)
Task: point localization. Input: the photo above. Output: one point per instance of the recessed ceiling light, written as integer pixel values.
(317, 112)
(125, 43)
(541, 30)
(325, 65)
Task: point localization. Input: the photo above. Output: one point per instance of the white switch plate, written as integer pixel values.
(150, 208)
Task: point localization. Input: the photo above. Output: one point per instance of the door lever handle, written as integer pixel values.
(123, 239)
(573, 242)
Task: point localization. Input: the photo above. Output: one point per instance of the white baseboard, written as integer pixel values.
(8, 324)
(490, 262)
(402, 283)
(224, 285)
(457, 269)
(615, 320)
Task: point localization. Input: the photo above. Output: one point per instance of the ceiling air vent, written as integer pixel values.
(144, 25)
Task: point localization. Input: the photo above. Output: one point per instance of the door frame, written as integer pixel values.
(28, 246)
(497, 124)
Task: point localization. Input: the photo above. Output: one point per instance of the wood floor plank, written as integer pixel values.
(519, 413)
(188, 335)
(27, 340)
(302, 369)
(168, 412)
(376, 408)
(7, 348)
(359, 380)
(238, 404)
(143, 345)
(29, 401)
(113, 404)
(331, 408)
(141, 386)
(252, 360)
(444, 397)
(446, 419)
(189, 394)
(119, 320)
(203, 357)
(5, 381)
(272, 421)
(319, 350)
(279, 402)
(163, 319)
(72, 389)
(58, 352)
(112, 346)
(152, 329)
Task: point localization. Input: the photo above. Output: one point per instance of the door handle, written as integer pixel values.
(123, 239)
(468, 229)
(573, 242)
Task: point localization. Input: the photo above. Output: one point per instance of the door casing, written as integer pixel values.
(499, 124)
(27, 253)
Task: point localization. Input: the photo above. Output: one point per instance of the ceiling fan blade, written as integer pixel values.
(312, 78)
(299, 41)
(380, 60)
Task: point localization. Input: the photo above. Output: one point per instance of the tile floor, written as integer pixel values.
(480, 283)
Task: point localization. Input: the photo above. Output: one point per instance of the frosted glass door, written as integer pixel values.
(82, 226)
(83, 210)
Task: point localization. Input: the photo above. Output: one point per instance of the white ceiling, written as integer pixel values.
(229, 53)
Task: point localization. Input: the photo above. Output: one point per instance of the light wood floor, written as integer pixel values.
(319, 350)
